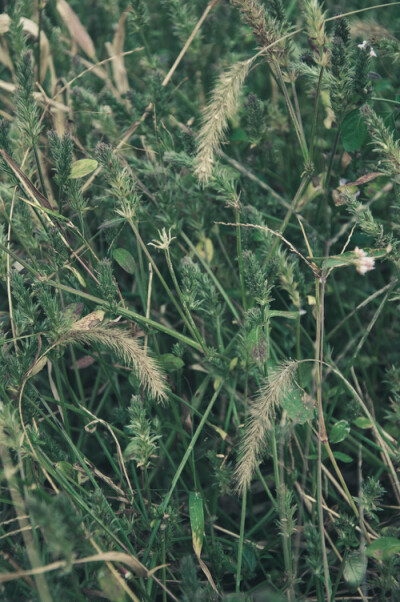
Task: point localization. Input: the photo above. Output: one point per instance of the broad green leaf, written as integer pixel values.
(205, 249)
(82, 168)
(299, 408)
(362, 422)
(125, 260)
(342, 457)
(249, 557)
(196, 514)
(170, 362)
(353, 131)
(339, 431)
(384, 548)
(355, 568)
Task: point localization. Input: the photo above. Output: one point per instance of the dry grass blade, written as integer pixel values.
(222, 106)
(261, 414)
(127, 348)
(76, 29)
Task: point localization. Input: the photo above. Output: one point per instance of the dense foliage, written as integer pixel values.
(199, 266)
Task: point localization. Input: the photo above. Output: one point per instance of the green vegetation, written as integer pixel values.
(199, 265)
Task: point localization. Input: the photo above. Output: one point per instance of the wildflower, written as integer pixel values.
(365, 46)
(363, 262)
(164, 241)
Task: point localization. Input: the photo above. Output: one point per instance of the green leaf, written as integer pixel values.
(355, 568)
(196, 514)
(342, 457)
(362, 422)
(82, 168)
(384, 548)
(298, 407)
(339, 431)
(239, 135)
(169, 362)
(353, 131)
(125, 260)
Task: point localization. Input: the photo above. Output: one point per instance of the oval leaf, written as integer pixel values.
(125, 260)
(339, 431)
(170, 362)
(299, 407)
(354, 131)
(82, 168)
(196, 514)
(384, 548)
(342, 457)
(355, 568)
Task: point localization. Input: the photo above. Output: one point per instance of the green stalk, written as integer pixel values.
(315, 114)
(182, 299)
(298, 130)
(179, 471)
(279, 486)
(25, 526)
(42, 184)
(322, 436)
(241, 540)
(303, 184)
(165, 285)
(340, 573)
(240, 259)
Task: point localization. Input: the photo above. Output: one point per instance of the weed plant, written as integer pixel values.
(199, 265)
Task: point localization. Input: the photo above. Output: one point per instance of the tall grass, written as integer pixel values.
(199, 260)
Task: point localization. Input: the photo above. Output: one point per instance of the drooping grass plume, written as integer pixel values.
(261, 414)
(128, 349)
(223, 104)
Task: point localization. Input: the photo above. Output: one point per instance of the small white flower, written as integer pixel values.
(363, 263)
(365, 46)
(164, 241)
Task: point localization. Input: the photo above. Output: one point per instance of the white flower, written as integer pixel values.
(365, 46)
(164, 241)
(363, 263)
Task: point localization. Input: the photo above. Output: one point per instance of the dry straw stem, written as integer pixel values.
(261, 415)
(121, 343)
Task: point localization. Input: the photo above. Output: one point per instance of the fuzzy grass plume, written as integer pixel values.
(223, 104)
(315, 24)
(128, 349)
(261, 414)
(265, 28)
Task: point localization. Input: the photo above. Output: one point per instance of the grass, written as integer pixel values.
(199, 260)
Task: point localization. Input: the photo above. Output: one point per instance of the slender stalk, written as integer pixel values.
(179, 471)
(298, 130)
(163, 282)
(39, 168)
(240, 259)
(186, 309)
(241, 540)
(296, 199)
(26, 530)
(315, 114)
(322, 436)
